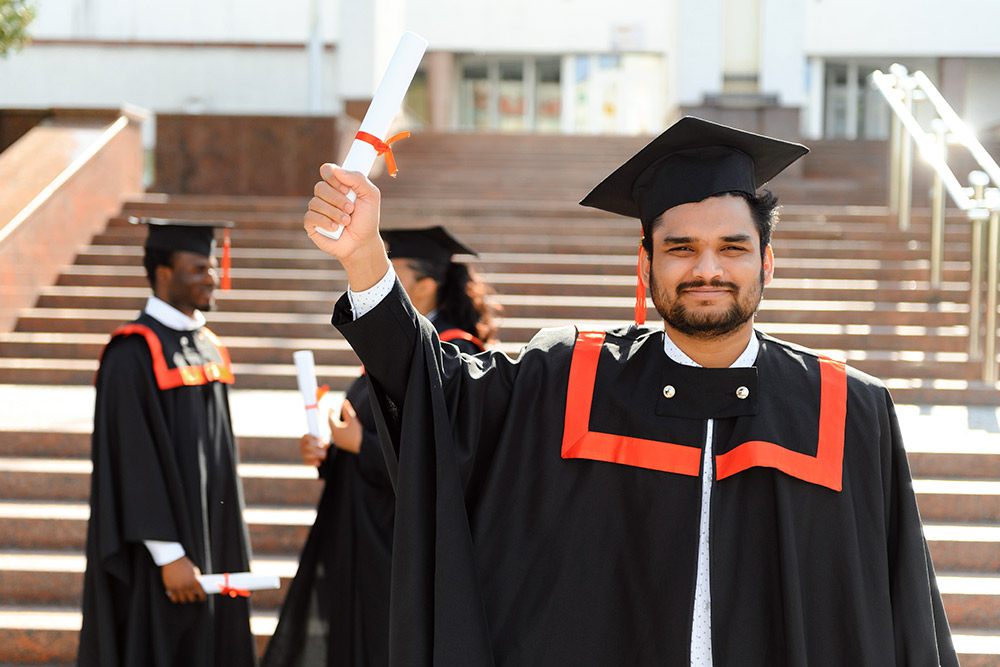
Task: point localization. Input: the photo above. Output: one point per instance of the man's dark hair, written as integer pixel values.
(763, 209)
(153, 258)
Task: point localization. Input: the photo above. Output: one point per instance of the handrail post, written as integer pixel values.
(905, 162)
(899, 72)
(992, 261)
(895, 135)
(938, 207)
(979, 180)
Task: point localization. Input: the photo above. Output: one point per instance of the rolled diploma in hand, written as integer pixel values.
(382, 110)
(247, 581)
(305, 366)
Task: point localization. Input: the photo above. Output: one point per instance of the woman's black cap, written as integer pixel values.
(692, 160)
(434, 244)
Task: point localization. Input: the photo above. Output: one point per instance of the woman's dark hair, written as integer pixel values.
(153, 258)
(461, 297)
(763, 209)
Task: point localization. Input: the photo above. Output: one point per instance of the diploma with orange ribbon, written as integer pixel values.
(305, 367)
(237, 584)
(371, 140)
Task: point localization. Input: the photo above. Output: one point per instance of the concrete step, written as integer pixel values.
(913, 265)
(55, 526)
(66, 354)
(40, 636)
(44, 479)
(964, 547)
(75, 446)
(48, 634)
(529, 305)
(534, 230)
(296, 486)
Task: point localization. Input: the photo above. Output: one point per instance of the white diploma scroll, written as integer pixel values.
(305, 367)
(382, 109)
(243, 581)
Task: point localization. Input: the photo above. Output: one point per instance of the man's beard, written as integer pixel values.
(706, 326)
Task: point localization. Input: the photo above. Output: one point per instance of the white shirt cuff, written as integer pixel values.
(363, 302)
(164, 552)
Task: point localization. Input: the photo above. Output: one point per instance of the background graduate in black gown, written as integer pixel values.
(166, 503)
(337, 608)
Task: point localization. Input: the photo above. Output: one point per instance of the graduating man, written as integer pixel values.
(166, 503)
(700, 494)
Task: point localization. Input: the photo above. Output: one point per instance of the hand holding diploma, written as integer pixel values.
(359, 248)
(371, 140)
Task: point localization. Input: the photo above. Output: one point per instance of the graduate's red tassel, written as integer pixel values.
(640, 292)
(226, 259)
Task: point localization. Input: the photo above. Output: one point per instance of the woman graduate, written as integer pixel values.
(337, 609)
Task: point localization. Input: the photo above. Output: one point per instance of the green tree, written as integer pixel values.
(15, 15)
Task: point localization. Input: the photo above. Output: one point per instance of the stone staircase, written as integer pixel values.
(847, 282)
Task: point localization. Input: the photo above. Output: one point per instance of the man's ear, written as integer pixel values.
(162, 276)
(768, 264)
(644, 266)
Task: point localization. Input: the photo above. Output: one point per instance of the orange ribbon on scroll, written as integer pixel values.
(383, 148)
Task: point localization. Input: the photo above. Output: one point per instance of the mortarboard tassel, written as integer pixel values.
(226, 259)
(640, 292)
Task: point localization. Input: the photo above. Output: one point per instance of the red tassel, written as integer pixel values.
(640, 292)
(226, 259)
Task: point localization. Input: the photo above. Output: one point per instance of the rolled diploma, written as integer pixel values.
(382, 110)
(247, 581)
(305, 367)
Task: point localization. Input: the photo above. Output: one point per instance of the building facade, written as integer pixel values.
(792, 67)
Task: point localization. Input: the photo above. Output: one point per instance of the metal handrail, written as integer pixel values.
(980, 201)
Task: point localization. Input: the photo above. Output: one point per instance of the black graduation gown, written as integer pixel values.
(337, 608)
(529, 533)
(164, 469)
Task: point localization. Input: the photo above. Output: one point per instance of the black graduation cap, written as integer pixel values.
(197, 236)
(434, 244)
(692, 160)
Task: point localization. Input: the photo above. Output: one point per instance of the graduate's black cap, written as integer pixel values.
(692, 160)
(196, 236)
(434, 244)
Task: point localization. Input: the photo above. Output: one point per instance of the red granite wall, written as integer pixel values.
(45, 236)
(242, 155)
(15, 123)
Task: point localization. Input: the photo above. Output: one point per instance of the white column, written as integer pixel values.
(812, 119)
(369, 32)
(698, 56)
(529, 80)
(567, 86)
(315, 52)
(851, 131)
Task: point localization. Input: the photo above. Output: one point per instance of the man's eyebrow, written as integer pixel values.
(677, 239)
(738, 238)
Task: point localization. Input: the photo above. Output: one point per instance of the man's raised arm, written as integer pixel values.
(359, 248)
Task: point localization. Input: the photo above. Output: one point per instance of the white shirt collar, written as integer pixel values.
(167, 315)
(745, 360)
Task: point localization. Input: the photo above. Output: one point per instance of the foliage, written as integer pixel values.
(15, 15)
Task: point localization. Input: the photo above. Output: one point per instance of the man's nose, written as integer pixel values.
(708, 266)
